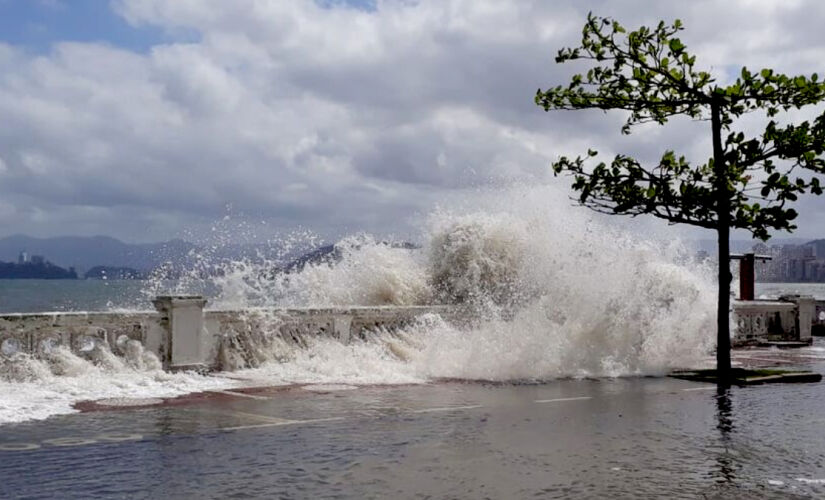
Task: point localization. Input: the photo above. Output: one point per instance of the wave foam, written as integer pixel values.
(552, 293)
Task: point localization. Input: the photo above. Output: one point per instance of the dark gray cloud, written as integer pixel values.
(334, 119)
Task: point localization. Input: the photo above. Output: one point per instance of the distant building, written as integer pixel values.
(790, 263)
(36, 267)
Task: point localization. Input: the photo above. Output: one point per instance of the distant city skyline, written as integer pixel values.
(149, 120)
(791, 263)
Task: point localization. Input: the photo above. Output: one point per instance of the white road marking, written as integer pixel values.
(255, 416)
(70, 441)
(117, 437)
(557, 400)
(446, 408)
(241, 395)
(285, 422)
(766, 360)
(19, 446)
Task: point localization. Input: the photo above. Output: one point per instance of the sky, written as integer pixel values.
(152, 119)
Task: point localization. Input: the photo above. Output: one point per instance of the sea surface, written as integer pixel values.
(774, 290)
(25, 296)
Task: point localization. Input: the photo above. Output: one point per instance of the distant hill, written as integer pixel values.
(87, 252)
(331, 254)
(42, 270)
(104, 255)
(328, 254)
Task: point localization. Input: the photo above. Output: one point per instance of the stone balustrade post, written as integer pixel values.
(806, 307)
(805, 312)
(184, 346)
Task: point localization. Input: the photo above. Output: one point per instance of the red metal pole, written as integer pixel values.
(746, 277)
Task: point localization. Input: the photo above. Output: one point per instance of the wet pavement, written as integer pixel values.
(618, 438)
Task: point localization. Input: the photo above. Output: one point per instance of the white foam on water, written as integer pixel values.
(551, 296)
(329, 362)
(328, 387)
(810, 481)
(35, 389)
(370, 272)
(551, 292)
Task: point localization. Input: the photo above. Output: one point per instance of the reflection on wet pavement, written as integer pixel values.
(635, 437)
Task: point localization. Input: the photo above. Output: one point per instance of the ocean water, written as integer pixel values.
(27, 296)
(555, 292)
(774, 290)
(71, 295)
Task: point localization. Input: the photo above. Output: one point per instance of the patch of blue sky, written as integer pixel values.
(36, 25)
(367, 5)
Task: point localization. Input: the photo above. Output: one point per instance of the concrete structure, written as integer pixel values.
(805, 315)
(818, 327)
(791, 318)
(185, 336)
(40, 333)
(758, 320)
(186, 343)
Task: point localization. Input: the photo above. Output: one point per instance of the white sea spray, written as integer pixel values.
(547, 291)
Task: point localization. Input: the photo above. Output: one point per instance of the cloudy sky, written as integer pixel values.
(151, 119)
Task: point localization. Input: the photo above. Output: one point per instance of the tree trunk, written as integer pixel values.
(723, 235)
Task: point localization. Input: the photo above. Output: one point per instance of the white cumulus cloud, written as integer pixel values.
(334, 118)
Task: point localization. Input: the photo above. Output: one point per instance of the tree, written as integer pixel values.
(747, 183)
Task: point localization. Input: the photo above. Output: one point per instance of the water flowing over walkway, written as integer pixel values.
(636, 437)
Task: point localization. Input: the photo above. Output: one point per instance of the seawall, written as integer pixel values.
(185, 335)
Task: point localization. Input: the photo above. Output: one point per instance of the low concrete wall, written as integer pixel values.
(759, 319)
(185, 336)
(41, 332)
(254, 335)
(791, 318)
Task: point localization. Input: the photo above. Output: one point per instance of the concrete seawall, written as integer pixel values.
(186, 336)
(792, 318)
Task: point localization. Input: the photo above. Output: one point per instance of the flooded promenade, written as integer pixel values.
(627, 437)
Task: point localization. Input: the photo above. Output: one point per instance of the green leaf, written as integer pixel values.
(673, 189)
(676, 45)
